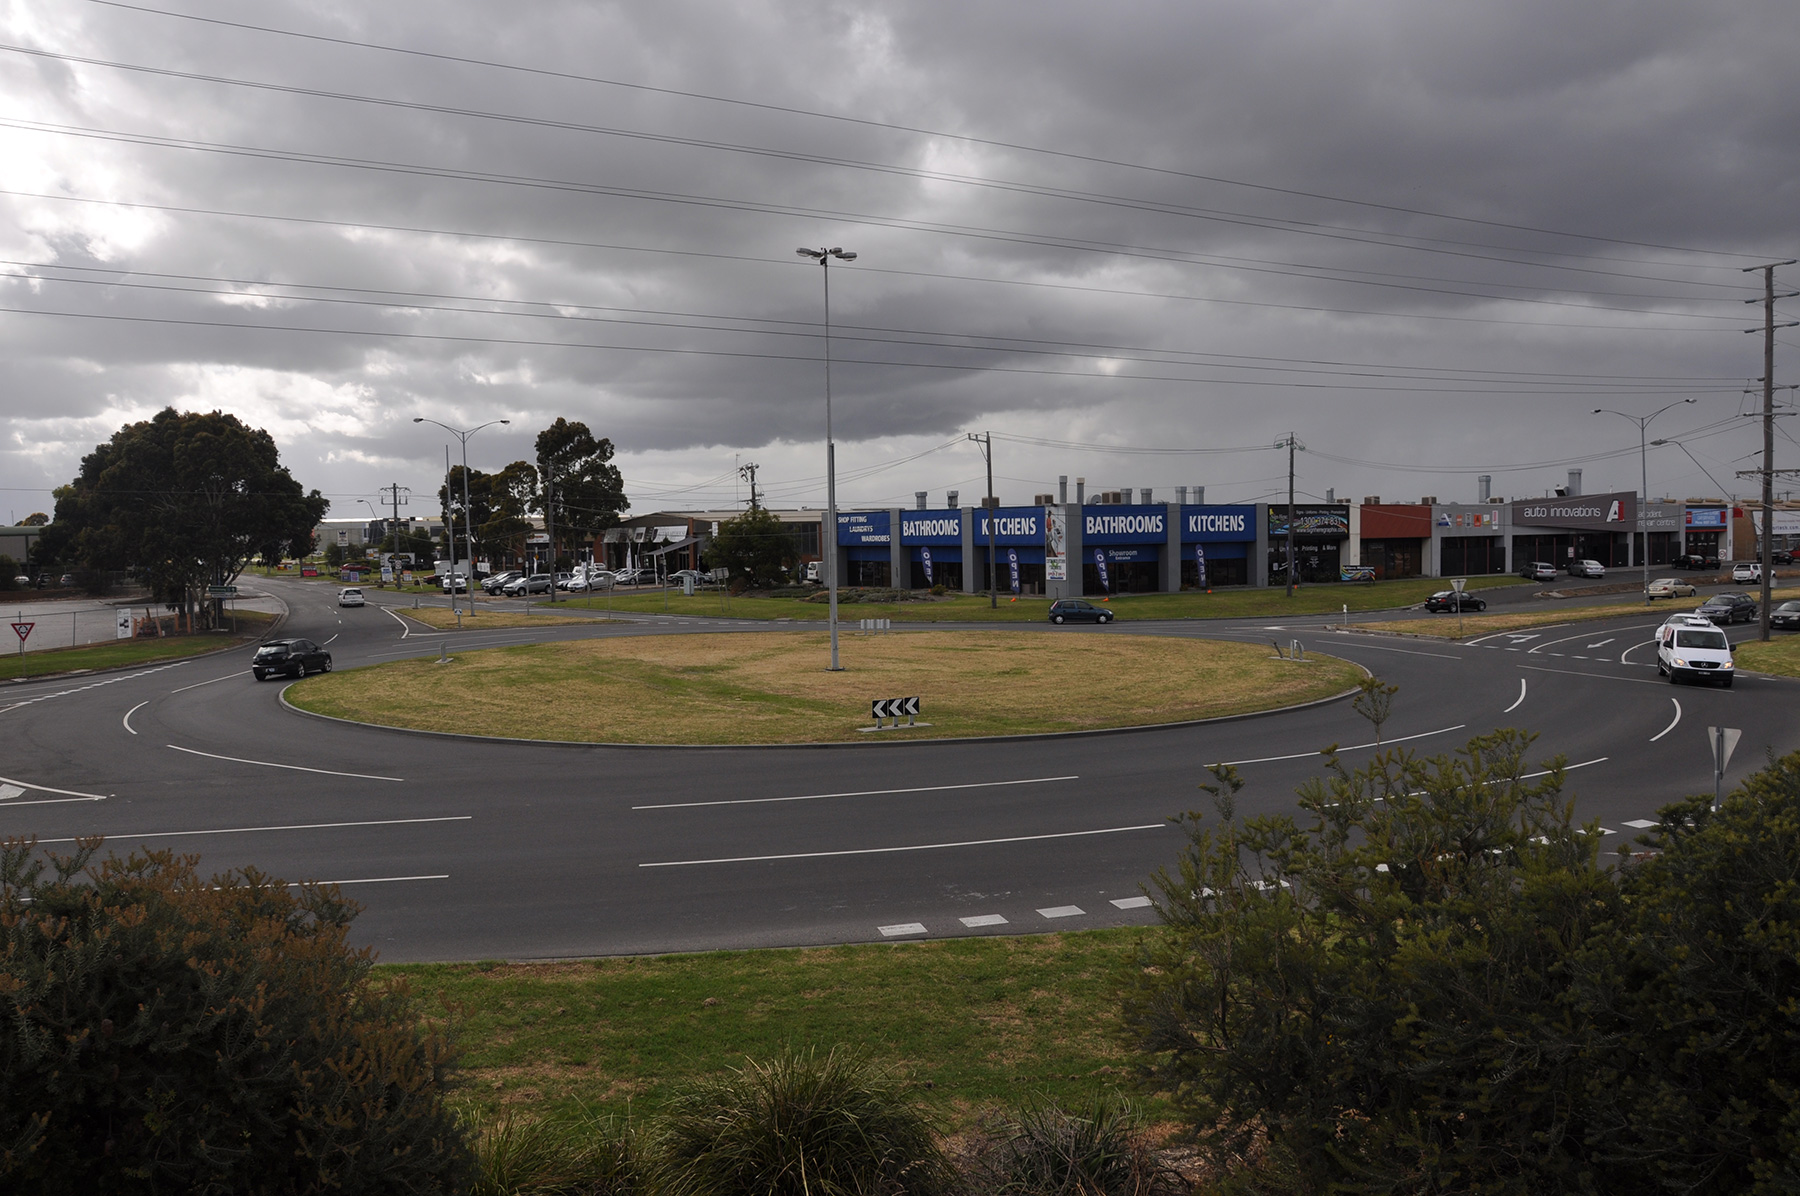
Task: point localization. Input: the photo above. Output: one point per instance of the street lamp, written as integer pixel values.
(374, 517)
(468, 523)
(828, 541)
(1643, 422)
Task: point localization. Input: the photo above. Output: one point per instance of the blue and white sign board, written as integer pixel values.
(1012, 526)
(1210, 525)
(931, 527)
(863, 527)
(1125, 525)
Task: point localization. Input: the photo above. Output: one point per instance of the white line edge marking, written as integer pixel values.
(1530, 776)
(49, 801)
(1347, 641)
(292, 767)
(1520, 701)
(367, 880)
(1671, 725)
(250, 830)
(126, 721)
(405, 628)
(198, 684)
(1538, 668)
(47, 789)
(1641, 644)
(752, 801)
(818, 855)
(327, 644)
(1352, 748)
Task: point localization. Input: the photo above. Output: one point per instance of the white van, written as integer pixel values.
(1686, 648)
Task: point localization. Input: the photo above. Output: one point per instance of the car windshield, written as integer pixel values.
(272, 650)
(1793, 606)
(1694, 637)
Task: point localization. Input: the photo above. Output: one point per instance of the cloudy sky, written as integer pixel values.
(1139, 243)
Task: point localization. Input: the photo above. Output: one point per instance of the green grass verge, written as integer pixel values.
(957, 608)
(968, 1021)
(1780, 656)
(115, 654)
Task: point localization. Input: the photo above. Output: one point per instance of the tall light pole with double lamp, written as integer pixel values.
(1643, 422)
(828, 538)
(468, 521)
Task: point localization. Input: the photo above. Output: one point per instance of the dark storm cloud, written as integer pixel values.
(625, 255)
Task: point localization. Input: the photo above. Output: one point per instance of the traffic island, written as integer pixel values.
(774, 688)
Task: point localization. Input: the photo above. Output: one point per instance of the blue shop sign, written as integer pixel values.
(1705, 517)
(931, 527)
(1125, 525)
(863, 527)
(1206, 525)
(1012, 525)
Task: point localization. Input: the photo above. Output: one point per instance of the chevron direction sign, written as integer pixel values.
(885, 708)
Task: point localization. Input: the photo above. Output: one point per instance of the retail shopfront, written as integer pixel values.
(931, 545)
(1470, 539)
(1703, 531)
(1319, 535)
(1217, 544)
(1122, 548)
(1393, 539)
(865, 539)
(1586, 527)
(1018, 549)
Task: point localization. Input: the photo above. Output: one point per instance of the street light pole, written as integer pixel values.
(828, 540)
(1643, 519)
(468, 519)
(991, 507)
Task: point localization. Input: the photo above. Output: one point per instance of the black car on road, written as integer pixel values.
(1786, 615)
(1728, 608)
(293, 658)
(1452, 600)
(1078, 610)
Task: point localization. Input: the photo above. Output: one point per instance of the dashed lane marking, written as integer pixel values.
(361, 776)
(63, 693)
(984, 920)
(1131, 902)
(751, 801)
(1062, 911)
(820, 855)
(902, 928)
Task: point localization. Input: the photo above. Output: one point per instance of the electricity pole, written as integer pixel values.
(1290, 444)
(391, 498)
(990, 506)
(748, 472)
(1768, 469)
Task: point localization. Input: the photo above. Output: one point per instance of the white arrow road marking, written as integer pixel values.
(1602, 643)
(1519, 701)
(818, 855)
(752, 801)
(361, 776)
(1668, 728)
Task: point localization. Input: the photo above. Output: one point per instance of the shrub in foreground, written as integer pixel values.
(573, 1154)
(803, 1124)
(1043, 1149)
(163, 1033)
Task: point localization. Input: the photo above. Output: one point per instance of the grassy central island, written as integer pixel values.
(773, 687)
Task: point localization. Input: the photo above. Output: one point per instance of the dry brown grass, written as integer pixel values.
(772, 687)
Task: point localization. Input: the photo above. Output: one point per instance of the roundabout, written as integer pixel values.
(466, 849)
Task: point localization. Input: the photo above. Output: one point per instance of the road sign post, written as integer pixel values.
(881, 709)
(1723, 741)
(1456, 587)
(23, 629)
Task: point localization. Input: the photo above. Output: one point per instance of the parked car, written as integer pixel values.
(22, 581)
(1077, 610)
(494, 581)
(627, 577)
(350, 596)
(1780, 556)
(1745, 572)
(1670, 587)
(1696, 561)
(1728, 608)
(537, 583)
(1586, 569)
(1686, 651)
(1785, 615)
(1538, 571)
(680, 576)
(1451, 600)
(295, 658)
(454, 583)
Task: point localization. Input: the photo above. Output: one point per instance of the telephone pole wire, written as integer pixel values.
(1768, 469)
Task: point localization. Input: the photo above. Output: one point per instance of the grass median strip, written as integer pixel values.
(116, 654)
(443, 619)
(1780, 656)
(1444, 626)
(969, 1021)
(773, 687)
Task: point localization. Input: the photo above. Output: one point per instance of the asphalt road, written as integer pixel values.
(470, 850)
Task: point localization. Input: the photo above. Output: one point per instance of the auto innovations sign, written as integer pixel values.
(1616, 512)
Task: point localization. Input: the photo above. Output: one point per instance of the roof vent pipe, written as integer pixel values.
(1062, 488)
(1080, 492)
(1574, 482)
(1181, 496)
(950, 497)
(1486, 482)
(919, 499)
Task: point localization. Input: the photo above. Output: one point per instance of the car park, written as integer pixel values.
(1451, 600)
(1077, 610)
(1586, 569)
(1538, 571)
(1745, 572)
(1670, 587)
(293, 658)
(1685, 651)
(1786, 616)
(1728, 608)
(494, 581)
(350, 596)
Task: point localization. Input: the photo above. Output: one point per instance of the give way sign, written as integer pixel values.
(23, 630)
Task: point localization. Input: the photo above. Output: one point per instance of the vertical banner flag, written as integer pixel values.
(925, 557)
(1056, 544)
(1012, 561)
(1100, 564)
(1200, 560)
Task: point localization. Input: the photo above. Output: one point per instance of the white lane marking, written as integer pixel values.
(752, 801)
(63, 693)
(1531, 776)
(1672, 722)
(1352, 748)
(900, 928)
(47, 789)
(368, 880)
(1642, 824)
(50, 801)
(1602, 643)
(1627, 652)
(251, 830)
(8, 792)
(327, 644)
(1347, 641)
(126, 721)
(361, 776)
(819, 855)
(1538, 668)
(1520, 700)
(1062, 911)
(984, 920)
(198, 684)
(1132, 902)
(405, 627)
